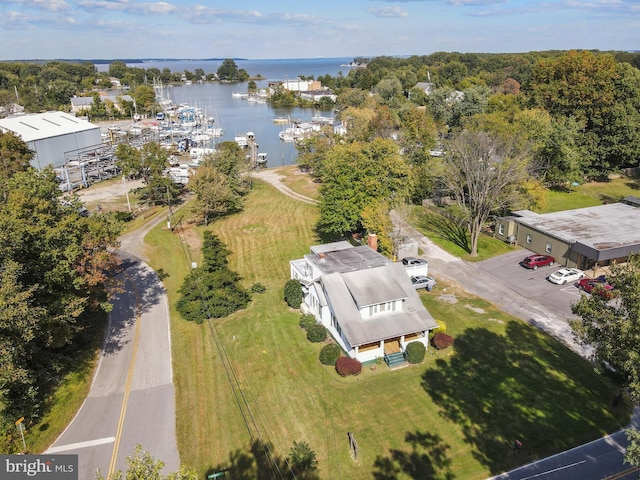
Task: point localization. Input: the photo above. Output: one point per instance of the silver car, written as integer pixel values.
(423, 281)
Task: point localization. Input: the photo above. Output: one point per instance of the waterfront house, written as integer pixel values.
(366, 301)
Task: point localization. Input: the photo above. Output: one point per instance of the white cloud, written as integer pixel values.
(387, 12)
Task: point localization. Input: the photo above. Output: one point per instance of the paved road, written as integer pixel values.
(132, 397)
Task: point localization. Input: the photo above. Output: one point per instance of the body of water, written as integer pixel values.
(237, 116)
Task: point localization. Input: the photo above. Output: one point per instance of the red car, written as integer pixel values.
(535, 261)
(597, 285)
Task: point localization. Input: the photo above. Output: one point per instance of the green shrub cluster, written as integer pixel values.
(307, 320)
(316, 333)
(442, 327)
(348, 366)
(329, 354)
(258, 288)
(415, 352)
(293, 293)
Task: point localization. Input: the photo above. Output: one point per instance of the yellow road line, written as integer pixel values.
(127, 388)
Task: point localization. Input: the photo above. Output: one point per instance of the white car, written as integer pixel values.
(565, 275)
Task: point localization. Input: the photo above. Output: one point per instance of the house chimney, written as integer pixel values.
(372, 241)
(321, 256)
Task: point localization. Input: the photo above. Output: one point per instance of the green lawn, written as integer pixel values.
(452, 237)
(456, 413)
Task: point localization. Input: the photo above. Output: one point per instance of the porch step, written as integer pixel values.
(395, 359)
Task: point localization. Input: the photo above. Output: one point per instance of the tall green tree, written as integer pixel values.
(211, 290)
(220, 183)
(228, 70)
(55, 272)
(356, 175)
(601, 95)
(15, 156)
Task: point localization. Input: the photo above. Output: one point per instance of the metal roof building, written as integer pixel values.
(52, 134)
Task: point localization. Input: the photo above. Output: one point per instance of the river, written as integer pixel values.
(236, 115)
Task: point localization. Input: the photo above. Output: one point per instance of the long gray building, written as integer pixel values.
(582, 238)
(51, 135)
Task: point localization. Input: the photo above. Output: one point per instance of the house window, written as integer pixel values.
(547, 248)
(501, 229)
(529, 238)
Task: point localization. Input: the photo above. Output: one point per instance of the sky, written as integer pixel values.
(266, 29)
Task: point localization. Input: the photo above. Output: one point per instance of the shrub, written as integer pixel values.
(415, 352)
(329, 354)
(293, 293)
(307, 320)
(124, 216)
(258, 288)
(441, 341)
(442, 327)
(316, 333)
(348, 366)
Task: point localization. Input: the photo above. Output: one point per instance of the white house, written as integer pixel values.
(366, 301)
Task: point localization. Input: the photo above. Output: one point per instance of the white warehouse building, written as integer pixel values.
(51, 135)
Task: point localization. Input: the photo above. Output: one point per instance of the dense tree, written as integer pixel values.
(145, 98)
(355, 176)
(483, 173)
(55, 273)
(612, 329)
(211, 290)
(601, 95)
(220, 183)
(15, 156)
(228, 70)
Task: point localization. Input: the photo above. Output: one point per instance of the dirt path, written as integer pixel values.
(274, 177)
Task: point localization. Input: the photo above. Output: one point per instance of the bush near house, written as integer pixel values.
(317, 333)
(329, 354)
(441, 341)
(348, 366)
(442, 327)
(307, 320)
(415, 352)
(293, 293)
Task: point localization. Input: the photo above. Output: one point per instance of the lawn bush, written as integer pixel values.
(258, 288)
(348, 366)
(415, 352)
(307, 320)
(329, 354)
(442, 327)
(316, 333)
(293, 293)
(441, 341)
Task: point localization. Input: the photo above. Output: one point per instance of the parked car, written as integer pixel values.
(598, 286)
(414, 261)
(565, 275)
(423, 281)
(535, 261)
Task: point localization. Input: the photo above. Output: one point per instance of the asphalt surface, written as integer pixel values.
(132, 400)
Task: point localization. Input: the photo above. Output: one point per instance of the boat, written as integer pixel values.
(261, 159)
(322, 120)
(241, 140)
(287, 135)
(239, 95)
(280, 120)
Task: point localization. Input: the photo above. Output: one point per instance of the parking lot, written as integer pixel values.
(533, 284)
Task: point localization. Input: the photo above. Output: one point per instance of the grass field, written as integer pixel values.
(457, 413)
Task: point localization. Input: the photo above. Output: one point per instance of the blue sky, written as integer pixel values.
(48, 29)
